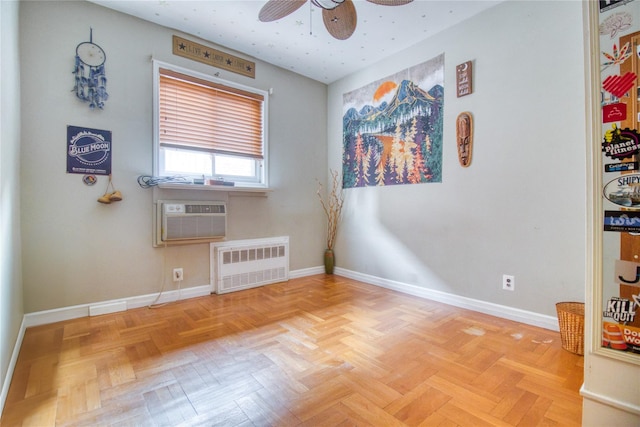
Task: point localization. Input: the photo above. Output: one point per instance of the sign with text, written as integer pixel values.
(623, 221)
(621, 167)
(206, 55)
(88, 151)
(464, 79)
(610, 4)
(620, 143)
(614, 112)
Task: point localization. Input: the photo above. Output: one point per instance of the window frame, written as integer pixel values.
(261, 165)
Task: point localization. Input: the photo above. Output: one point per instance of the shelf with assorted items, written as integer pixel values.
(205, 187)
(181, 184)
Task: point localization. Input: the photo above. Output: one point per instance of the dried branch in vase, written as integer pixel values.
(332, 205)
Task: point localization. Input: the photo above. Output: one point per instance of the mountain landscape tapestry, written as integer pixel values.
(392, 128)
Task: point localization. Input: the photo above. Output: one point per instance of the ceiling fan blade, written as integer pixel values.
(390, 2)
(277, 9)
(341, 21)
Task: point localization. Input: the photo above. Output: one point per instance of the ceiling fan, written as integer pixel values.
(339, 16)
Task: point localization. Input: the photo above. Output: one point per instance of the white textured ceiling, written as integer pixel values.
(299, 42)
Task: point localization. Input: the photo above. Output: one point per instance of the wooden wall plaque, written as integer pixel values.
(464, 78)
(206, 55)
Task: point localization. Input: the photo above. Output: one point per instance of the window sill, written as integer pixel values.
(225, 188)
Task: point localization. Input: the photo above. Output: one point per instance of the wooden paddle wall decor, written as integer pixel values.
(464, 138)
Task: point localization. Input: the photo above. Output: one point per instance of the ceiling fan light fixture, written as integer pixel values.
(327, 4)
(340, 22)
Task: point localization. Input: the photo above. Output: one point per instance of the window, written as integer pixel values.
(205, 127)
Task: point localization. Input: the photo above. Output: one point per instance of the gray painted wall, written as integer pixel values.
(519, 209)
(78, 251)
(11, 304)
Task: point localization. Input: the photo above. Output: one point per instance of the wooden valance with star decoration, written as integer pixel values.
(206, 55)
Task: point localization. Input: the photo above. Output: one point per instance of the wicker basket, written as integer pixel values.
(571, 321)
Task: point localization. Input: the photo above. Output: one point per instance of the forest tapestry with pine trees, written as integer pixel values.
(392, 128)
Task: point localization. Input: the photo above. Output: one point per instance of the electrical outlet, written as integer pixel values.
(508, 282)
(178, 275)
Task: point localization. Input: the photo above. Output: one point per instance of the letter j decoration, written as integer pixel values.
(88, 151)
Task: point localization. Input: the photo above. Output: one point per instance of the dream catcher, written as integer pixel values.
(91, 82)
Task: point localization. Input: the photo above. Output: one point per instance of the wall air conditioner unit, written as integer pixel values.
(183, 222)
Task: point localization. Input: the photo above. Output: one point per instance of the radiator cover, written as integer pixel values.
(245, 264)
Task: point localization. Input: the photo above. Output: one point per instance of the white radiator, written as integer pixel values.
(244, 264)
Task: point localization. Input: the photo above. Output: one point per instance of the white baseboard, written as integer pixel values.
(502, 311)
(104, 307)
(74, 312)
(12, 365)
(84, 310)
(304, 272)
(609, 401)
(112, 307)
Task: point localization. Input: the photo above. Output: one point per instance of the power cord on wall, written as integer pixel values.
(148, 181)
(155, 304)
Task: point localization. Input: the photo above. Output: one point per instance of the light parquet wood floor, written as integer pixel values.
(316, 351)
